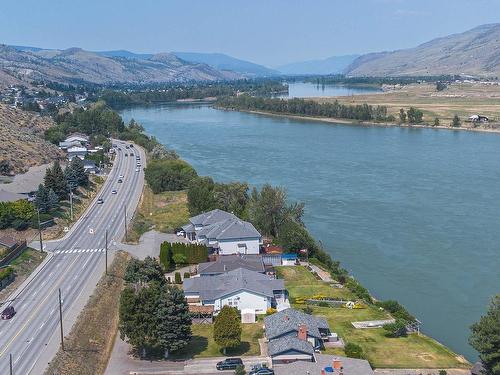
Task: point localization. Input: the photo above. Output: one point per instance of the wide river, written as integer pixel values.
(412, 213)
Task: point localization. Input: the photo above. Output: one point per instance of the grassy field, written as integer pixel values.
(91, 340)
(463, 99)
(163, 212)
(203, 345)
(408, 352)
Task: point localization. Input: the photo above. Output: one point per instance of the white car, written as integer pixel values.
(120, 176)
(138, 169)
(113, 192)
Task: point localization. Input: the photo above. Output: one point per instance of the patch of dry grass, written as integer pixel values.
(89, 345)
(163, 212)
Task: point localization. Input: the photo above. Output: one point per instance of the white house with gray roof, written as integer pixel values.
(223, 232)
(294, 335)
(240, 288)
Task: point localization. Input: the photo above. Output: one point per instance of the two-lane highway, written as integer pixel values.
(76, 262)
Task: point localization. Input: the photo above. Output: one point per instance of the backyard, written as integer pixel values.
(413, 351)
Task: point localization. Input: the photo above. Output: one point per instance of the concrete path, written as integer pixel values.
(324, 275)
(27, 182)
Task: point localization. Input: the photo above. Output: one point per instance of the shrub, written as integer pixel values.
(19, 224)
(323, 304)
(178, 279)
(396, 329)
(353, 350)
(308, 310)
(270, 311)
(187, 275)
(180, 259)
(397, 310)
(5, 273)
(169, 175)
(240, 370)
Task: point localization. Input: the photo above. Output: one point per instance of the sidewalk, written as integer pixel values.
(451, 371)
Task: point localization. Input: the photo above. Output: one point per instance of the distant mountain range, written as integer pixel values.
(73, 65)
(331, 65)
(475, 52)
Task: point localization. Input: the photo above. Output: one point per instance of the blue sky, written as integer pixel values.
(270, 32)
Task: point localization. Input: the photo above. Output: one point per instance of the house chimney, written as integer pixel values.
(286, 318)
(302, 333)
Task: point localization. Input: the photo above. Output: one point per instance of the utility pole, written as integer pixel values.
(125, 209)
(106, 250)
(10, 364)
(71, 203)
(60, 320)
(39, 229)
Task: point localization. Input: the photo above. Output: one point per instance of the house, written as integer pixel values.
(65, 145)
(90, 166)
(294, 335)
(478, 118)
(224, 233)
(240, 288)
(326, 364)
(79, 137)
(228, 263)
(76, 151)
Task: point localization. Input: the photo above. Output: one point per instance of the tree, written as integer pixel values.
(173, 321)
(144, 271)
(177, 278)
(485, 337)
(269, 211)
(396, 329)
(201, 195)
(353, 350)
(169, 175)
(75, 174)
(227, 328)
(436, 122)
(455, 123)
(402, 116)
(414, 115)
(232, 197)
(166, 256)
(5, 167)
(440, 86)
(42, 198)
(55, 180)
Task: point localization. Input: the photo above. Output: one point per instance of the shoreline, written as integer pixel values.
(360, 123)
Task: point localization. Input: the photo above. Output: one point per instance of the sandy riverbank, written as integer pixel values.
(364, 123)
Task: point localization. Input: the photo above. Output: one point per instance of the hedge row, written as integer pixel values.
(182, 253)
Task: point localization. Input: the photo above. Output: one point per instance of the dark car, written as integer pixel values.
(100, 201)
(261, 371)
(8, 312)
(120, 181)
(126, 154)
(229, 364)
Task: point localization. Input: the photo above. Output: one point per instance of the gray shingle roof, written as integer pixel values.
(229, 229)
(211, 217)
(288, 320)
(351, 366)
(288, 343)
(232, 262)
(214, 287)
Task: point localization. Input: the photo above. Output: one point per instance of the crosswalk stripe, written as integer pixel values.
(74, 251)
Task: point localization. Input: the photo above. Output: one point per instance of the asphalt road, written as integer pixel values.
(74, 264)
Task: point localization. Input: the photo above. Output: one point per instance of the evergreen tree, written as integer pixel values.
(54, 179)
(485, 337)
(42, 198)
(456, 122)
(227, 328)
(201, 195)
(436, 122)
(52, 200)
(79, 170)
(173, 321)
(402, 116)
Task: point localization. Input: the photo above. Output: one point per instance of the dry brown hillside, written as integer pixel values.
(21, 139)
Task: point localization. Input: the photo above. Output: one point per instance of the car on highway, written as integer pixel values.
(131, 145)
(120, 180)
(229, 364)
(126, 154)
(8, 312)
(138, 169)
(100, 201)
(113, 192)
(121, 176)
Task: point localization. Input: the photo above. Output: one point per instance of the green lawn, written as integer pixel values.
(406, 352)
(203, 345)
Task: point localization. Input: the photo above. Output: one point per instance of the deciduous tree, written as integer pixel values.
(227, 328)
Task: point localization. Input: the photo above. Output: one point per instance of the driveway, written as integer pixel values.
(149, 244)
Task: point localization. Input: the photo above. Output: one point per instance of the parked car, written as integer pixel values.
(8, 312)
(229, 364)
(100, 201)
(261, 370)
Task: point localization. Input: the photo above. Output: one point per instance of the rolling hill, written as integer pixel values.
(475, 52)
(75, 65)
